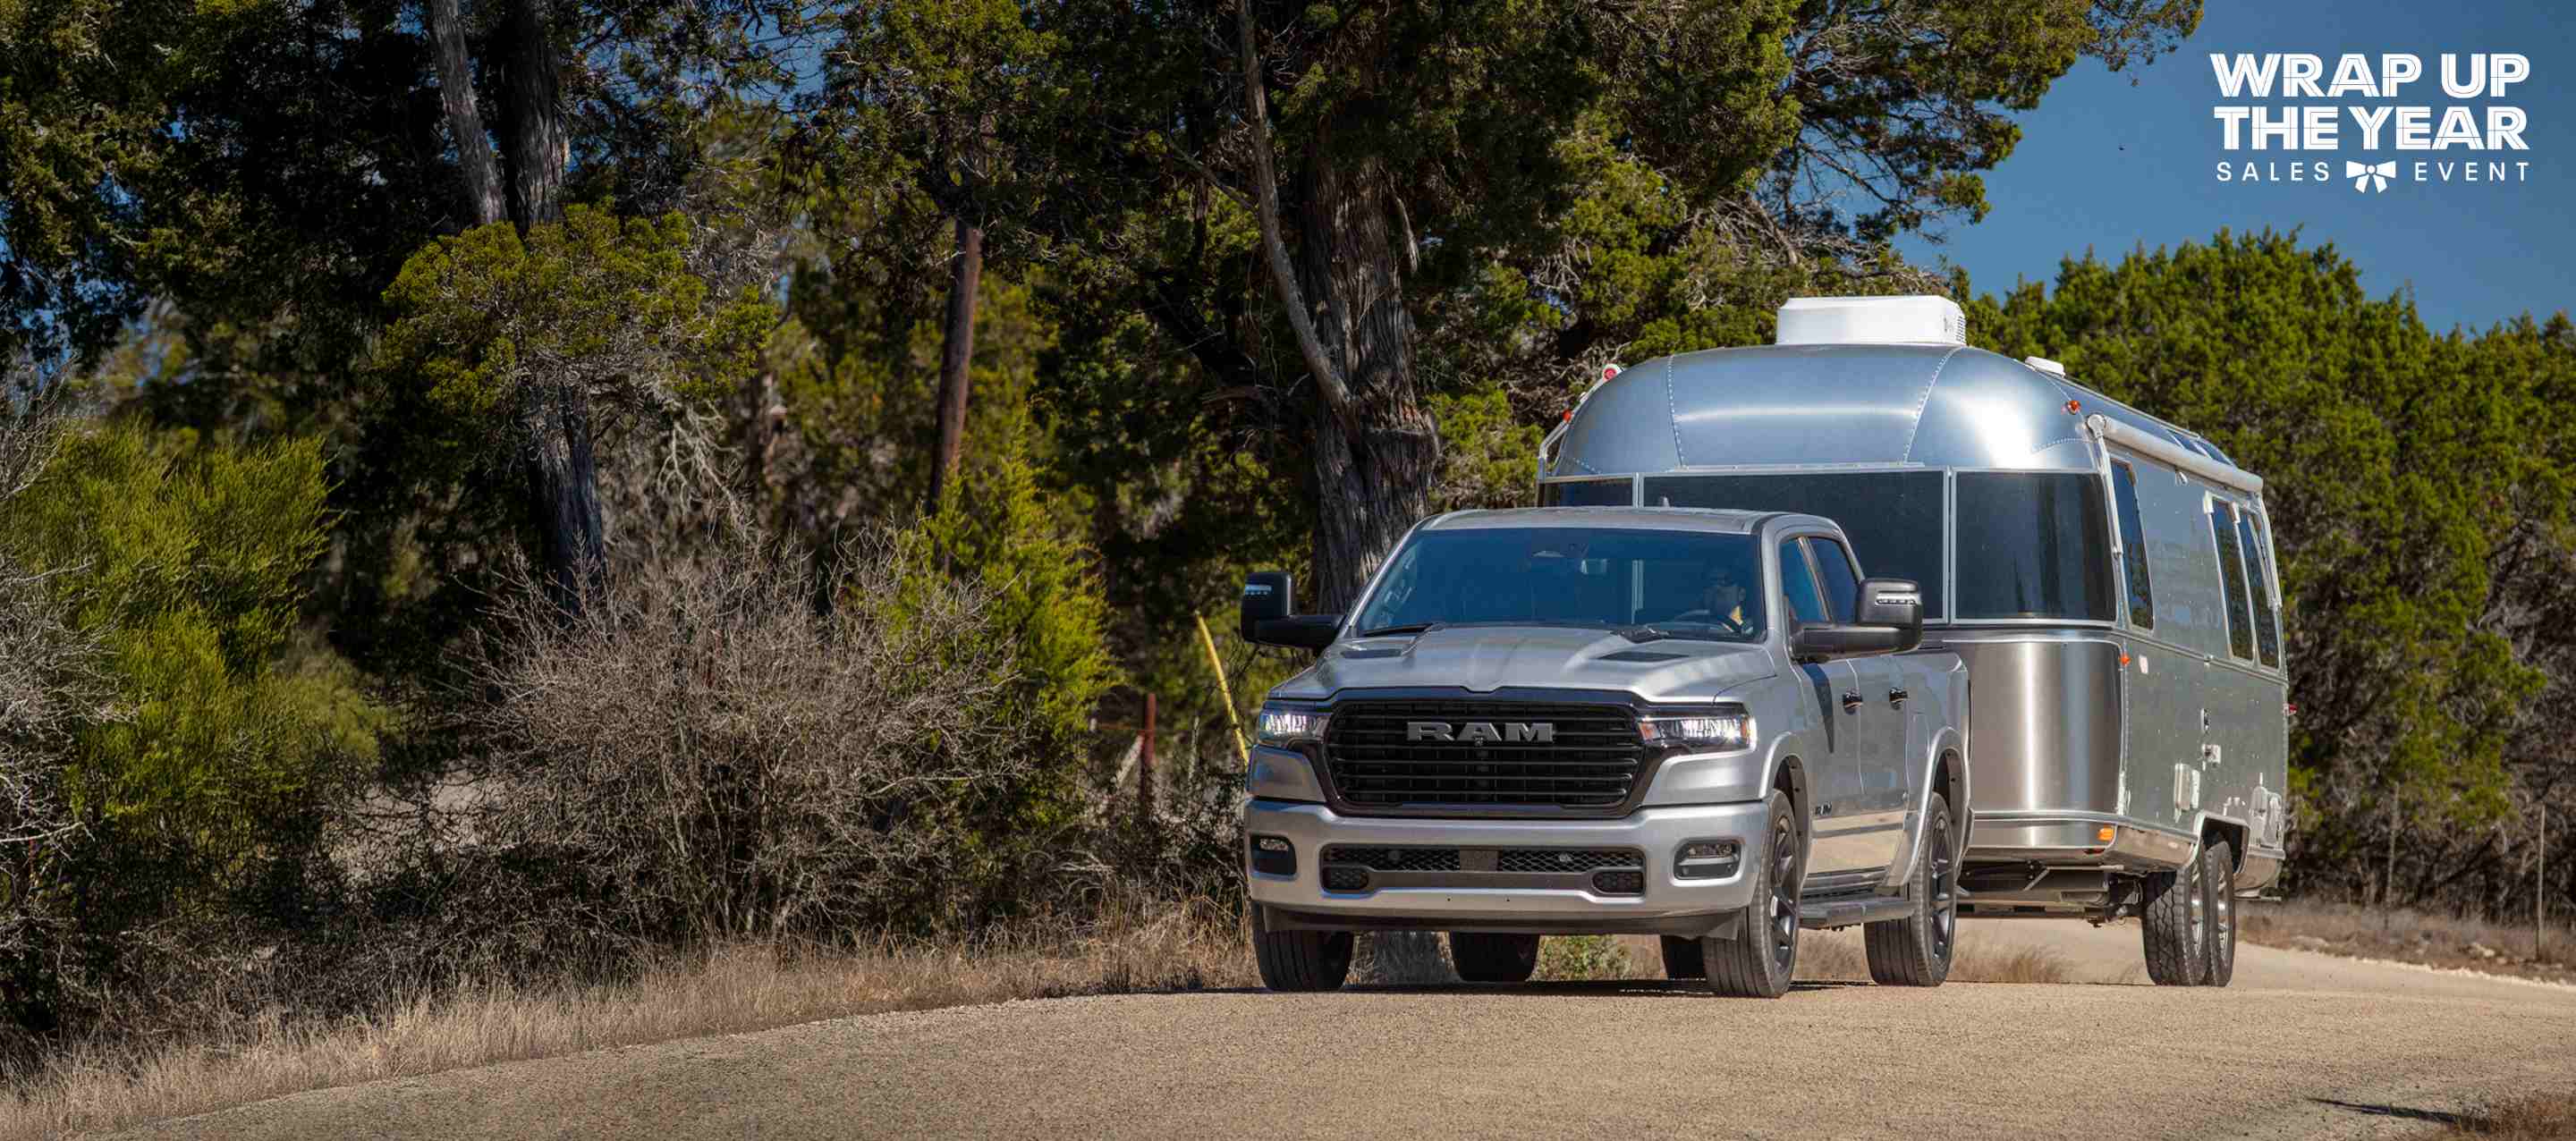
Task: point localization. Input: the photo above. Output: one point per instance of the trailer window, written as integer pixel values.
(2258, 563)
(1585, 493)
(2231, 577)
(1892, 517)
(2133, 548)
(2033, 545)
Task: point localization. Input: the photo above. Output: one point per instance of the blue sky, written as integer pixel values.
(2110, 165)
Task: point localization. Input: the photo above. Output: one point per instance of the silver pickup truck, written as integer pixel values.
(1699, 724)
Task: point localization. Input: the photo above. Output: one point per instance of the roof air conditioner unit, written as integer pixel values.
(1921, 320)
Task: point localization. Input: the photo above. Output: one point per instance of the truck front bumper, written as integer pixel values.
(1475, 891)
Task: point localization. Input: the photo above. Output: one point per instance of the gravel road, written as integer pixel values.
(2303, 1045)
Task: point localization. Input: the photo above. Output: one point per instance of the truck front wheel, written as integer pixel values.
(1299, 960)
(1493, 958)
(1760, 961)
(2173, 910)
(1916, 950)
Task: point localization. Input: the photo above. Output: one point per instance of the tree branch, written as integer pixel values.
(1265, 185)
(464, 120)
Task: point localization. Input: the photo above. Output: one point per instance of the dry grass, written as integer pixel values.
(2410, 937)
(738, 989)
(2532, 1117)
(743, 988)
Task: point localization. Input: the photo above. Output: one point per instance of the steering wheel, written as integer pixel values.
(1712, 618)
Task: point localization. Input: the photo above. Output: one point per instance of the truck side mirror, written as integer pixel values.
(1268, 615)
(1893, 602)
(1890, 622)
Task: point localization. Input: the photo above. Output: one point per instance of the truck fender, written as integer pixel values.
(1785, 751)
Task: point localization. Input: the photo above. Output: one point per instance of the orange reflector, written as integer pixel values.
(2106, 834)
(2124, 661)
(2074, 406)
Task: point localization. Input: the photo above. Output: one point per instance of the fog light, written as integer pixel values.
(1706, 859)
(1274, 856)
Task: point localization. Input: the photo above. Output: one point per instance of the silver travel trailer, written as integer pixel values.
(2108, 578)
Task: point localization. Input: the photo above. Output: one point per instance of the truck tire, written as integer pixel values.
(1682, 959)
(1493, 958)
(1299, 960)
(1763, 957)
(2218, 879)
(1916, 950)
(2171, 911)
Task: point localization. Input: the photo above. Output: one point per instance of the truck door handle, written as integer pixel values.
(1896, 697)
(1851, 703)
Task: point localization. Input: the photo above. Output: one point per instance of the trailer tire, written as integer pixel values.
(2218, 879)
(1299, 960)
(2171, 913)
(1916, 950)
(1682, 959)
(1493, 958)
(1763, 957)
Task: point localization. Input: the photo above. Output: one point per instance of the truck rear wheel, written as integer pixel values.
(1299, 960)
(1493, 958)
(1682, 959)
(1916, 950)
(1763, 957)
(2218, 878)
(2173, 911)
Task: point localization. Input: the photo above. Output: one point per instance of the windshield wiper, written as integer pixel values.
(1408, 628)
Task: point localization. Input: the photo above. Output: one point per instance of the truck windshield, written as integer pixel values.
(1674, 584)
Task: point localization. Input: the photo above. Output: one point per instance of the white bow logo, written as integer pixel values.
(2367, 177)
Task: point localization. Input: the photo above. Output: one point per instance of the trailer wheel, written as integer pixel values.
(1299, 960)
(2173, 912)
(1916, 950)
(1493, 958)
(1763, 957)
(2218, 876)
(1682, 959)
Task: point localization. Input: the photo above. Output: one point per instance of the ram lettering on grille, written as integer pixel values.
(1513, 732)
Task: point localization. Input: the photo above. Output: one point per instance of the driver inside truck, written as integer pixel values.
(1722, 596)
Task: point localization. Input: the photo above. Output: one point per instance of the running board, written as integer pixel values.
(1822, 915)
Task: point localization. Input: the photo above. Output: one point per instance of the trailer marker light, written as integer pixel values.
(2124, 661)
(2107, 834)
(2074, 407)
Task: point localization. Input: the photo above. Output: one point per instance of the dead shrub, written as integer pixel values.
(702, 753)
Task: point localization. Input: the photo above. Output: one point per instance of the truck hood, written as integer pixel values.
(1486, 658)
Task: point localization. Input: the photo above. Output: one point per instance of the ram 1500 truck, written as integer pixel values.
(1699, 724)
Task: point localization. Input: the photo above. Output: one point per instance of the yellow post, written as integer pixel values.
(1207, 642)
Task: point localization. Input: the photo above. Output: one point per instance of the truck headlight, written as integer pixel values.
(1285, 726)
(1711, 731)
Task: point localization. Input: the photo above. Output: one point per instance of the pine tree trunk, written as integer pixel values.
(957, 356)
(554, 416)
(1374, 470)
(538, 145)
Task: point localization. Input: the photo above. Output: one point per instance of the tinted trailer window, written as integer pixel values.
(2032, 545)
(1893, 517)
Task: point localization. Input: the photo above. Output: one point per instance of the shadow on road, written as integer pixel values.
(2433, 1116)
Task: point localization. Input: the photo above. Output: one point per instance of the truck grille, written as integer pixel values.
(1591, 763)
